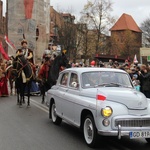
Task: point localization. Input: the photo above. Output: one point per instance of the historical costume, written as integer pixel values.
(24, 50)
(43, 76)
(43, 72)
(28, 53)
(3, 80)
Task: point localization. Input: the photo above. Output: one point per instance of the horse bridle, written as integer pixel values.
(22, 67)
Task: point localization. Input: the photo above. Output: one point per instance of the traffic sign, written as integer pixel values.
(144, 51)
(148, 58)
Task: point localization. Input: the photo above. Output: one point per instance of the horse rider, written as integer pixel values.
(43, 75)
(28, 53)
(44, 69)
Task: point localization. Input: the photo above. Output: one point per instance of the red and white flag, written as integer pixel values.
(2, 51)
(9, 43)
(135, 59)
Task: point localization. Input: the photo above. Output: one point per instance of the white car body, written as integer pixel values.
(129, 109)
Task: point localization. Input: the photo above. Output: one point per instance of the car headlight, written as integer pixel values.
(107, 111)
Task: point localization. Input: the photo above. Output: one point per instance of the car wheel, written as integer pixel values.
(55, 119)
(148, 140)
(90, 131)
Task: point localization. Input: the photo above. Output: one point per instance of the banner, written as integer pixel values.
(9, 43)
(2, 51)
(28, 8)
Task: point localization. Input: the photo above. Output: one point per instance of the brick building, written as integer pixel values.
(126, 37)
(57, 23)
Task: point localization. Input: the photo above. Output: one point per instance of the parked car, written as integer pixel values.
(100, 101)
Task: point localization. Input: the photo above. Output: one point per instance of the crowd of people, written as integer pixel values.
(140, 74)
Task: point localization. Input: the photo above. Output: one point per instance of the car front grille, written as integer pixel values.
(133, 122)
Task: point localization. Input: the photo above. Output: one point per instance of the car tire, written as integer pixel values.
(90, 131)
(55, 119)
(148, 140)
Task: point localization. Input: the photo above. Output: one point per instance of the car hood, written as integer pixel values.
(131, 98)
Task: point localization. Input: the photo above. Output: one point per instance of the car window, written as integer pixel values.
(74, 80)
(90, 79)
(105, 78)
(64, 79)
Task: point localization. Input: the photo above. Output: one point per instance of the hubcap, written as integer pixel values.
(88, 131)
(53, 113)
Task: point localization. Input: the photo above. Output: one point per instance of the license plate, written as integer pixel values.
(139, 134)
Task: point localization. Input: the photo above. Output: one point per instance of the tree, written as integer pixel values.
(98, 18)
(145, 26)
(85, 40)
(67, 36)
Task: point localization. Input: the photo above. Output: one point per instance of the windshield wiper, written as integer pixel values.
(112, 84)
(103, 84)
(120, 85)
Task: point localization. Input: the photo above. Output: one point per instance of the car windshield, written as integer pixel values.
(105, 78)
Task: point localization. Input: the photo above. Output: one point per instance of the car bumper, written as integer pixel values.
(120, 132)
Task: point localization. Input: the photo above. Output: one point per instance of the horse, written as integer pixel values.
(23, 73)
(53, 73)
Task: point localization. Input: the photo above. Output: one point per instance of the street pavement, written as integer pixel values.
(30, 129)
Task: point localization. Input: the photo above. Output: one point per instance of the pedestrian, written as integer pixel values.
(93, 63)
(144, 77)
(136, 82)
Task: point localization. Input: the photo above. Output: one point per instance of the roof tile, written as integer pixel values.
(126, 22)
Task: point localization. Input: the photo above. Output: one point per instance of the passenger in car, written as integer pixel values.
(64, 79)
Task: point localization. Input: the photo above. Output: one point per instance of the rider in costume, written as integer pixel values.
(43, 75)
(28, 53)
(44, 69)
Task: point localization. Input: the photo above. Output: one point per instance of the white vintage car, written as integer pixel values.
(100, 101)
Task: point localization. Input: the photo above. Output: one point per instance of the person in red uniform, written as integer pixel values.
(44, 69)
(3, 80)
(43, 76)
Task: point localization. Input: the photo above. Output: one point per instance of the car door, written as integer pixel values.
(62, 88)
(70, 97)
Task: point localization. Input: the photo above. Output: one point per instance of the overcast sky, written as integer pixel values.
(138, 9)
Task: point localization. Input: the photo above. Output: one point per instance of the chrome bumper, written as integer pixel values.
(119, 133)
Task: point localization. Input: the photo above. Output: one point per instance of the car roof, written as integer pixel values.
(89, 69)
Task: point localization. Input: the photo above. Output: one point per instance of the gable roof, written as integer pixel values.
(126, 22)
